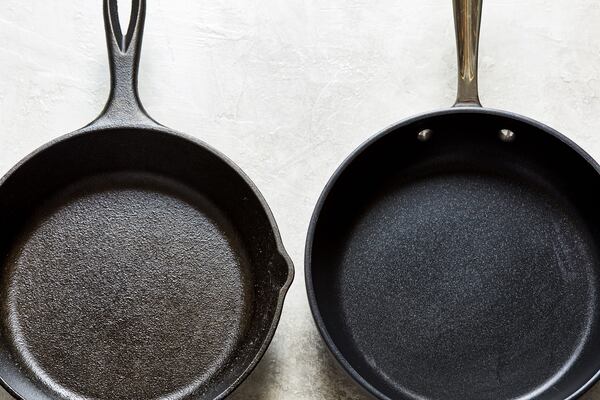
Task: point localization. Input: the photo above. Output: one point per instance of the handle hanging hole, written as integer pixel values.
(136, 10)
(124, 8)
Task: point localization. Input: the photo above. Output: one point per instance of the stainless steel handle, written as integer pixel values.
(467, 20)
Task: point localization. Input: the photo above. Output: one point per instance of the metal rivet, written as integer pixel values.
(506, 135)
(424, 135)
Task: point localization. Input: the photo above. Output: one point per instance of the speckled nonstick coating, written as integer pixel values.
(137, 263)
(455, 255)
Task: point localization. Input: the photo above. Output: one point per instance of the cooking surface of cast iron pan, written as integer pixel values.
(455, 255)
(137, 263)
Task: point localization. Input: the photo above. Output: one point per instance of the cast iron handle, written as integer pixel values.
(467, 20)
(124, 106)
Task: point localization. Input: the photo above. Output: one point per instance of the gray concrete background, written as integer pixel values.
(287, 89)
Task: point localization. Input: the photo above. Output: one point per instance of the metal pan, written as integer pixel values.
(137, 263)
(456, 254)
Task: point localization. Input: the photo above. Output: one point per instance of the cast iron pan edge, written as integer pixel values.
(390, 130)
(125, 111)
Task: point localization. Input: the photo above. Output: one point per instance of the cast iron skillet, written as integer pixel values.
(455, 255)
(137, 263)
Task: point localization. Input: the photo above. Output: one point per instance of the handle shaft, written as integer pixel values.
(467, 20)
(124, 106)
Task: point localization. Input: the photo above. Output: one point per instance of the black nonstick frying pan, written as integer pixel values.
(137, 263)
(456, 254)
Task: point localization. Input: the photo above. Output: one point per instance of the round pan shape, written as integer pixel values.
(136, 262)
(455, 255)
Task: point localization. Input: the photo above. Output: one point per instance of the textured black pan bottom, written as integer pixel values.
(130, 274)
(463, 285)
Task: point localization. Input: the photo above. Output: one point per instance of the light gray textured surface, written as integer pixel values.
(287, 89)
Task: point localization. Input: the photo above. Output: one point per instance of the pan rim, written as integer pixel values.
(331, 183)
(191, 140)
